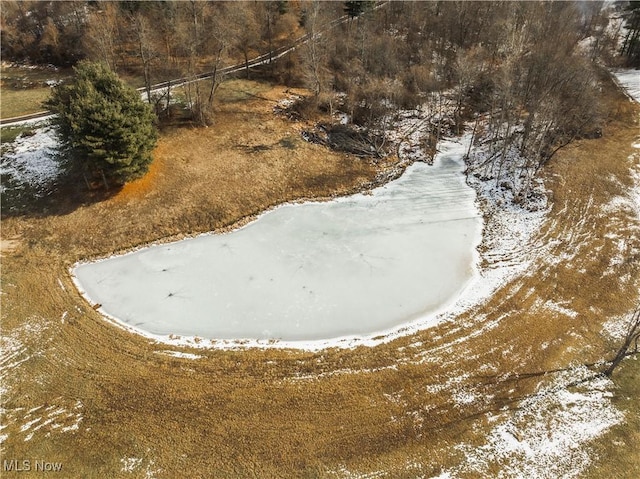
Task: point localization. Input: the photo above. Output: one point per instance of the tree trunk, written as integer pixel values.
(104, 179)
(632, 337)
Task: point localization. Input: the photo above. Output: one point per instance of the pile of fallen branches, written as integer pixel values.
(348, 139)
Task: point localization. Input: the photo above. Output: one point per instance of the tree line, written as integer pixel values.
(524, 72)
(151, 40)
(527, 73)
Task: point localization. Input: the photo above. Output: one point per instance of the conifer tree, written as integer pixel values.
(104, 127)
(357, 7)
(631, 42)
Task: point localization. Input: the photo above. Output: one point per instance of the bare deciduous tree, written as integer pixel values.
(245, 30)
(145, 47)
(315, 50)
(102, 38)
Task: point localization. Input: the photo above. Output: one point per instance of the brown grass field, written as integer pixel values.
(294, 414)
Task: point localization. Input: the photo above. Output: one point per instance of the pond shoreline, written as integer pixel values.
(385, 176)
(407, 326)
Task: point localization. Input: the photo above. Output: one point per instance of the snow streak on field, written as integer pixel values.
(137, 465)
(545, 436)
(58, 415)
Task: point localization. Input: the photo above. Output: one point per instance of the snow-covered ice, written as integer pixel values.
(630, 81)
(352, 267)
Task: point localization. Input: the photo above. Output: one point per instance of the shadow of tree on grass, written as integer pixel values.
(63, 196)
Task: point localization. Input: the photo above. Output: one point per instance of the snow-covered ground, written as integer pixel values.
(31, 160)
(546, 435)
(352, 267)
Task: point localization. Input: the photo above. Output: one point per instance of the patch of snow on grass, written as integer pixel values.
(508, 239)
(629, 203)
(343, 472)
(444, 475)
(54, 416)
(178, 354)
(560, 309)
(130, 464)
(546, 436)
(32, 159)
(464, 398)
(619, 258)
(150, 473)
(617, 328)
(11, 356)
(14, 350)
(28, 424)
(634, 192)
(619, 203)
(77, 419)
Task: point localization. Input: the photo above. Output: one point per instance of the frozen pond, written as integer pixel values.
(354, 266)
(630, 81)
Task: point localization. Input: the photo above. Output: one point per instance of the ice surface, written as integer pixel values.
(350, 267)
(630, 81)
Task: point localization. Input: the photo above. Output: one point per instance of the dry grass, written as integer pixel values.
(617, 453)
(286, 413)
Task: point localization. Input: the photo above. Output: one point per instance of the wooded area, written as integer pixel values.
(525, 72)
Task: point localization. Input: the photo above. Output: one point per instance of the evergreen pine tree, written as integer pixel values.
(357, 7)
(631, 42)
(104, 127)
